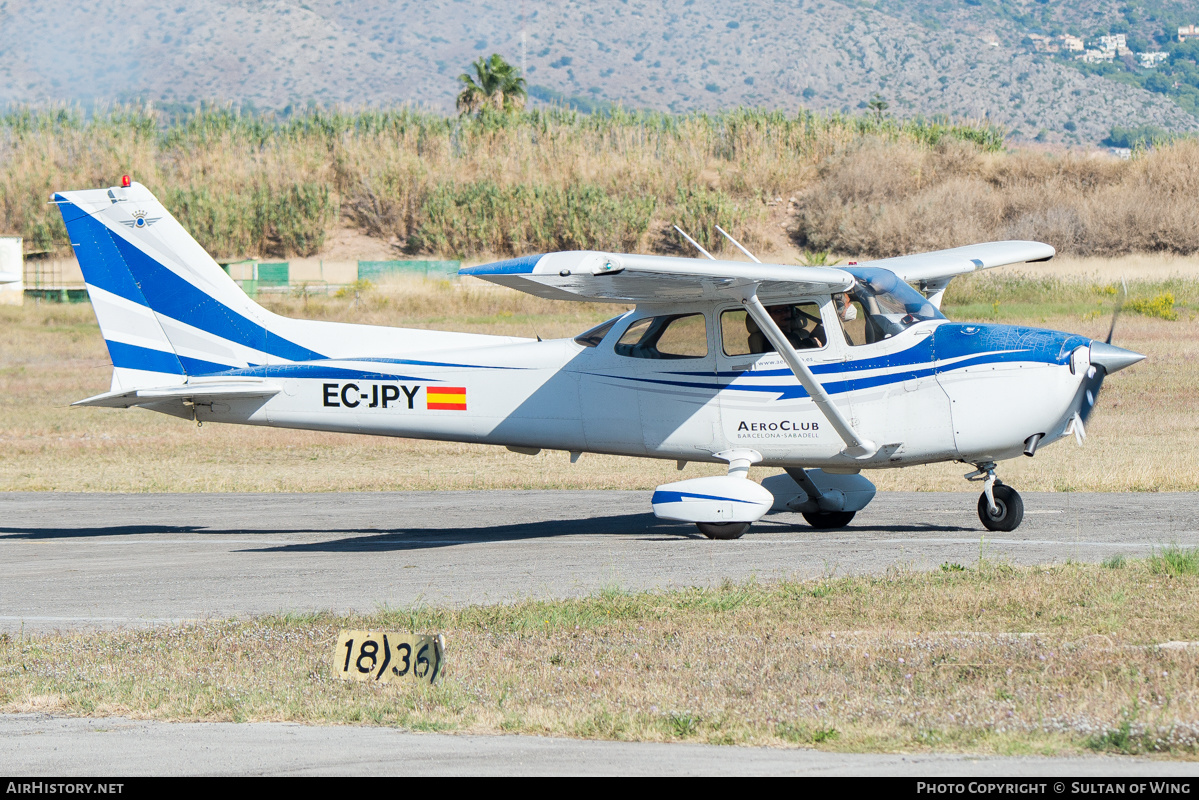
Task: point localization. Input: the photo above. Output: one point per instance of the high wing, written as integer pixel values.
(631, 278)
(933, 271)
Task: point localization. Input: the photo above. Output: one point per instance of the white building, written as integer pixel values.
(1115, 43)
(12, 271)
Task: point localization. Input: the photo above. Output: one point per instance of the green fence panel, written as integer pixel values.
(59, 295)
(272, 274)
(374, 270)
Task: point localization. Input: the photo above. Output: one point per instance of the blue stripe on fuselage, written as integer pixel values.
(316, 372)
(950, 340)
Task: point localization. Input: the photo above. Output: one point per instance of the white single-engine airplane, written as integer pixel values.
(821, 371)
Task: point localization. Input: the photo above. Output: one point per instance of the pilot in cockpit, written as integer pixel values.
(794, 325)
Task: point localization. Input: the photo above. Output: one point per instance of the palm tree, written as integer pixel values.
(878, 105)
(496, 84)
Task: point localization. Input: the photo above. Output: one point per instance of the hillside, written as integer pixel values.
(675, 55)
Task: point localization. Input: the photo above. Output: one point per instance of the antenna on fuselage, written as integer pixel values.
(694, 243)
(738, 245)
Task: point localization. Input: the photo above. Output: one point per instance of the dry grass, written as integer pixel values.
(542, 180)
(53, 355)
(986, 658)
(897, 197)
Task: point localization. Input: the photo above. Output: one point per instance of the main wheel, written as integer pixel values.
(1011, 509)
(828, 520)
(723, 530)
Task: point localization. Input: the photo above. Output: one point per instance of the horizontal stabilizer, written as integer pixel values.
(195, 393)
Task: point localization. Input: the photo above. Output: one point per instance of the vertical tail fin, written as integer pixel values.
(166, 308)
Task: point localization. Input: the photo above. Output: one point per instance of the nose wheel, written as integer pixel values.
(1008, 512)
(1000, 507)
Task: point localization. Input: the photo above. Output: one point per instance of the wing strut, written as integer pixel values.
(740, 247)
(855, 446)
(694, 243)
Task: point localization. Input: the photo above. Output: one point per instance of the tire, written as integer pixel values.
(723, 530)
(1011, 509)
(828, 520)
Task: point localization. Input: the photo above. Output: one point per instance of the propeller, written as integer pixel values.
(1105, 359)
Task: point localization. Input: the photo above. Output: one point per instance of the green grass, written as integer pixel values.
(1174, 561)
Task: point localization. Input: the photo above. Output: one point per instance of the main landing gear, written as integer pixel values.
(999, 506)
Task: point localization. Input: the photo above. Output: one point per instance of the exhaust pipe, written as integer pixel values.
(1030, 444)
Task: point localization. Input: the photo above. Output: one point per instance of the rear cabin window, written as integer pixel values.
(800, 323)
(673, 336)
(592, 337)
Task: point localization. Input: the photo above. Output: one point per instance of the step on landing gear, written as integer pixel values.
(999, 506)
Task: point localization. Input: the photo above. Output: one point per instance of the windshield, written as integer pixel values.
(880, 305)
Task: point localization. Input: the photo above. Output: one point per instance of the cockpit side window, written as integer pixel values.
(672, 336)
(593, 336)
(800, 323)
(879, 306)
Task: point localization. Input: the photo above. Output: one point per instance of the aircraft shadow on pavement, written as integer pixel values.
(644, 527)
(423, 538)
(64, 532)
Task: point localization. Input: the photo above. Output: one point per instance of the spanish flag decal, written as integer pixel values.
(446, 398)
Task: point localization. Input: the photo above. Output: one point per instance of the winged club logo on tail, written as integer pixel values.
(140, 220)
(822, 372)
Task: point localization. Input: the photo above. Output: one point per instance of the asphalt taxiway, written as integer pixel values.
(105, 560)
(95, 560)
(42, 746)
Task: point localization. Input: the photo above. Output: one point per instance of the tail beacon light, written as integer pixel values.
(722, 498)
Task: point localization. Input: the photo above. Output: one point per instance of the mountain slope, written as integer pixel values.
(676, 55)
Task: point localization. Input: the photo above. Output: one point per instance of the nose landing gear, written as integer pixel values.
(999, 506)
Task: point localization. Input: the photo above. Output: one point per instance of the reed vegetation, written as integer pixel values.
(496, 183)
(253, 185)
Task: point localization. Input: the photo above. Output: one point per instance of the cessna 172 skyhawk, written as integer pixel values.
(822, 371)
